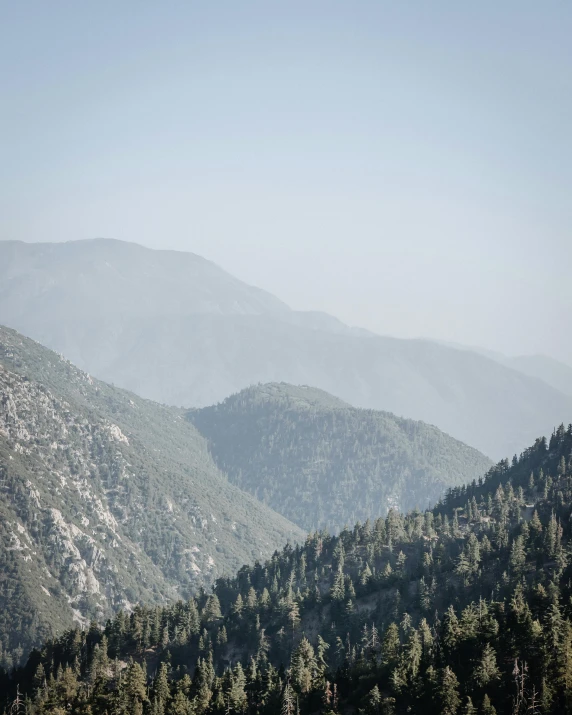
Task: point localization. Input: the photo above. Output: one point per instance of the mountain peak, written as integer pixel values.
(104, 277)
(285, 394)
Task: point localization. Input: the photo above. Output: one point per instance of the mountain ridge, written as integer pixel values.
(193, 337)
(553, 372)
(323, 463)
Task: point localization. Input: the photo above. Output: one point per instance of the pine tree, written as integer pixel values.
(469, 708)
(237, 695)
(373, 701)
(565, 665)
(451, 630)
(487, 670)
(473, 552)
(288, 701)
(222, 637)
(180, 705)
(463, 567)
(135, 688)
(448, 694)
(303, 666)
(413, 653)
(238, 606)
(390, 646)
(338, 590)
(212, 610)
(365, 575)
(487, 708)
(294, 616)
(518, 555)
(39, 681)
(161, 690)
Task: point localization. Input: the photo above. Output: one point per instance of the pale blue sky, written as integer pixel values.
(406, 166)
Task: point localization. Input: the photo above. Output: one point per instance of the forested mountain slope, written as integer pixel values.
(324, 464)
(455, 611)
(106, 500)
(174, 327)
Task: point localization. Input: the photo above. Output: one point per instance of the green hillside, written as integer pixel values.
(456, 611)
(106, 500)
(322, 463)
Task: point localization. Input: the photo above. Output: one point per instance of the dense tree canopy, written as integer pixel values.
(465, 608)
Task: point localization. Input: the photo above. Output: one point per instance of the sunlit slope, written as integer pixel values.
(107, 500)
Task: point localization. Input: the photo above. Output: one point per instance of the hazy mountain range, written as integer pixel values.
(176, 328)
(108, 500)
(554, 372)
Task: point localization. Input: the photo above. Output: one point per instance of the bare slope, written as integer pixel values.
(107, 499)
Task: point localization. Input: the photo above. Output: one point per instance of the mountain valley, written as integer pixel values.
(155, 559)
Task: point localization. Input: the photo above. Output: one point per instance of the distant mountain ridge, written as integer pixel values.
(137, 281)
(175, 328)
(324, 464)
(553, 372)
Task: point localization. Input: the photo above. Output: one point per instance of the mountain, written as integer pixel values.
(96, 278)
(175, 328)
(555, 373)
(322, 463)
(462, 609)
(106, 500)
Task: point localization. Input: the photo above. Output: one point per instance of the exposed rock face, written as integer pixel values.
(106, 500)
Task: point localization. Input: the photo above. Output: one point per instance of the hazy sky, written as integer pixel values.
(406, 166)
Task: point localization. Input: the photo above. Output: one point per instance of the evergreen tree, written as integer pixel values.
(487, 670)
(448, 692)
(390, 646)
(161, 690)
(135, 688)
(373, 702)
(487, 708)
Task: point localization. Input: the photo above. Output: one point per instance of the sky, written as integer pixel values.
(405, 166)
